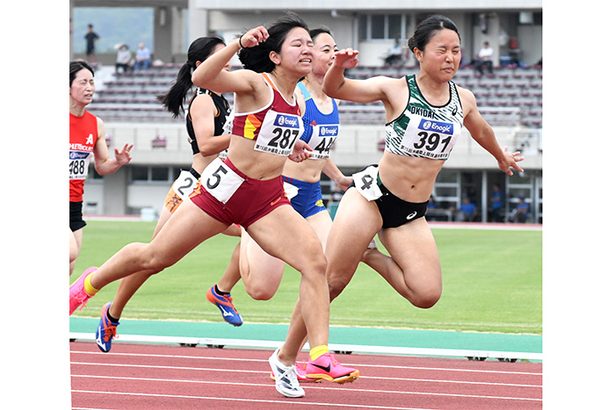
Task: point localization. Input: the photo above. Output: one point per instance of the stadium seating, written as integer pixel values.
(509, 97)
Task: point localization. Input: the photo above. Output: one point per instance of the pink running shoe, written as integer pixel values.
(78, 297)
(326, 367)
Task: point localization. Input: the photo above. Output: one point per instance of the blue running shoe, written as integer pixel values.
(225, 304)
(106, 330)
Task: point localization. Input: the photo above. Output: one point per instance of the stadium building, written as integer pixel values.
(510, 99)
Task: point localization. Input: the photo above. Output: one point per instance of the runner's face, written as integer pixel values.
(442, 55)
(82, 87)
(296, 52)
(324, 52)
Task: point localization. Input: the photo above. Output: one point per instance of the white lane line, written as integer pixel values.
(285, 402)
(336, 389)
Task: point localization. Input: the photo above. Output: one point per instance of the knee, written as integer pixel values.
(427, 298)
(315, 266)
(148, 260)
(259, 292)
(336, 286)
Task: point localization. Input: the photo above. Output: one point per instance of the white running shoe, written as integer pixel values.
(286, 382)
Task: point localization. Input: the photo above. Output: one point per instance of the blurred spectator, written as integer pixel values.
(485, 59)
(143, 57)
(123, 59)
(521, 212)
(90, 44)
(394, 55)
(514, 51)
(496, 207)
(432, 204)
(466, 211)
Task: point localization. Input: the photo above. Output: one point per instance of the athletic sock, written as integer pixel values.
(318, 351)
(87, 286)
(219, 292)
(111, 318)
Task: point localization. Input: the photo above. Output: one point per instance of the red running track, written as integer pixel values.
(134, 376)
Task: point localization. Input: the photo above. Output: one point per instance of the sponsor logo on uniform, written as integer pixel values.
(436, 126)
(328, 131)
(289, 121)
(78, 155)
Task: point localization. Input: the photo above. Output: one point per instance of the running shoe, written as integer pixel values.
(78, 297)
(225, 304)
(326, 367)
(286, 382)
(301, 375)
(106, 330)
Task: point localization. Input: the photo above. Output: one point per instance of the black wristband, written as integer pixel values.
(241, 45)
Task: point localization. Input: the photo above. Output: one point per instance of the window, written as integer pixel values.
(160, 173)
(142, 173)
(380, 26)
(394, 26)
(378, 22)
(139, 173)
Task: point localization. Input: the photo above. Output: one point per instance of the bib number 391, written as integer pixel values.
(220, 180)
(366, 182)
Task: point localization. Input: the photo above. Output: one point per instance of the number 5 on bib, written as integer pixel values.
(220, 180)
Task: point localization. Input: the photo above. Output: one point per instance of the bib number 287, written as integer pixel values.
(282, 138)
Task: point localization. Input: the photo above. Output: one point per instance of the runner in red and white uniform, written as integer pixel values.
(87, 139)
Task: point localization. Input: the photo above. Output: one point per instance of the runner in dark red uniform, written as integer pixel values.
(252, 175)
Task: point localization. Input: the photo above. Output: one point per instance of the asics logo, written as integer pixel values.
(410, 216)
(99, 342)
(325, 368)
(225, 313)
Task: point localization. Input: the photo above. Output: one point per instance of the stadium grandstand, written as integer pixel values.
(510, 98)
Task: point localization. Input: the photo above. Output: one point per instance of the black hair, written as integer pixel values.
(315, 32)
(427, 28)
(199, 50)
(257, 58)
(75, 67)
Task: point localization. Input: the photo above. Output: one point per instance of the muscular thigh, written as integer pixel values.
(356, 222)
(413, 248)
(187, 227)
(283, 233)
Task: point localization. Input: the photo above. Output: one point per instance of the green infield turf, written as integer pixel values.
(492, 282)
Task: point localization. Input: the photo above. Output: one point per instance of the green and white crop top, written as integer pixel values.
(424, 130)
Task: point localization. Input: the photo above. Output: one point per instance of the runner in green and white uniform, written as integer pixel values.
(425, 114)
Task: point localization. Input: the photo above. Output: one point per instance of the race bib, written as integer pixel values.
(430, 139)
(366, 182)
(323, 137)
(279, 133)
(184, 184)
(78, 164)
(220, 180)
(290, 190)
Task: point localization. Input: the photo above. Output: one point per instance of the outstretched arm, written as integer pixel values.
(333, 172)
(336, 85)
(103, 164)
(482, 133)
